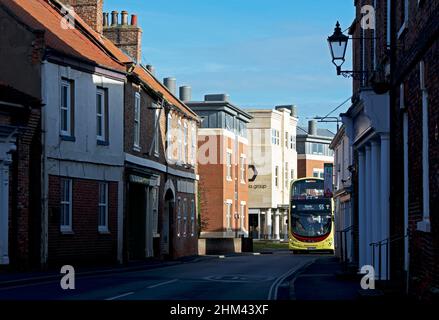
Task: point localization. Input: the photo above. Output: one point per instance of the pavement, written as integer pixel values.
(233, 277)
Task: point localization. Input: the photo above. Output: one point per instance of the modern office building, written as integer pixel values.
(222, 166)
(273, 165)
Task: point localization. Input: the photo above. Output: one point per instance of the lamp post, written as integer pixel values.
(338, 43)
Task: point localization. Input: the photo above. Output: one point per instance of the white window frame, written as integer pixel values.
(101, 117)
(103, 228)
(179, 142)
(229, 208)
(157, 132)
(424, 225)
(137, 111)
(194, 144)
(242, 214)
(67, 109)
(276, 176)
(243, 162)
(155, 211)
(229, 157)
(192, 218)
(286, 139)
(66, 226)
(320, 173)
(185, 142)
(286, 175)
(169, 137)
(292, 142)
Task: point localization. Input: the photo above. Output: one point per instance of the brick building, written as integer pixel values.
(20, 164)
(223, 166)
(414, 91)
(160, 212)
(313, 150)
(392, 127)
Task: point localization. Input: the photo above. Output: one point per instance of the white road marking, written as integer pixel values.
(162, 284)
(272, 294)
(120, 296)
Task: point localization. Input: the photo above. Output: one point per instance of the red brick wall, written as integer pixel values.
(215, 189)
(24, 186)
(86, 244)
(91, 11)
(417, 43)
(127, 38)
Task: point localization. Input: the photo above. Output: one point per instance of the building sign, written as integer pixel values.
(328, 177)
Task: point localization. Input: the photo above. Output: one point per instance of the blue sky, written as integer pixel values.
(262, 53)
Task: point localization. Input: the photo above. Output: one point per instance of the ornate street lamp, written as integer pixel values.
(338, 43)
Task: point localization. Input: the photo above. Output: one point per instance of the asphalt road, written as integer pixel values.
(245, 277)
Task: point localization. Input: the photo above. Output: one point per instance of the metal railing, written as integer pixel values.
(386, 242)
(344, 242)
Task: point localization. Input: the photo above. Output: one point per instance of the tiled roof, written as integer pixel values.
(83, 42)
(154, 84)
(44, 15)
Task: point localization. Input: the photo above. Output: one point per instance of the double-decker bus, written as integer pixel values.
(311, 223)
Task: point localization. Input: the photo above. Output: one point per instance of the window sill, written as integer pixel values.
(137, 149)
(102, 143)
(229, 179)
(68, 138)
(67, 231)
(104, 231)
(424, 226)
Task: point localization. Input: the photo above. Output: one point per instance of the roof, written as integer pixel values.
(157, 86)
(211, 105)
(320, 132)
(82, 42)
(46, 15)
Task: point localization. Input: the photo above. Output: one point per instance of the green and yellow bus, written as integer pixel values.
(311, 221)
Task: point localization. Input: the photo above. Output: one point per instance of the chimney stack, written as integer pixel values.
(91, 11)
(127, 37)
(124, 18)
(171, 84)
(312, 127)
(185, 93)
(114, 18)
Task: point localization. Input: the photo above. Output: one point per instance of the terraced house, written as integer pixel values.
(110, 190)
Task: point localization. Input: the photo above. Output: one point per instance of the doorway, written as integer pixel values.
(168, 225)
(137, 221)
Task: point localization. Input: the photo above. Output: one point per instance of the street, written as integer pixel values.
(244, 277)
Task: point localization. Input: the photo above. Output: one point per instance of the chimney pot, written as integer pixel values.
(185, 93)
(124, 18)
(134, 20)
(106, 19)
(151, 69)
(312, 127)
(171, 84)
(114, 18)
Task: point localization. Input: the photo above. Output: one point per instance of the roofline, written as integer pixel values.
(220, 104)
